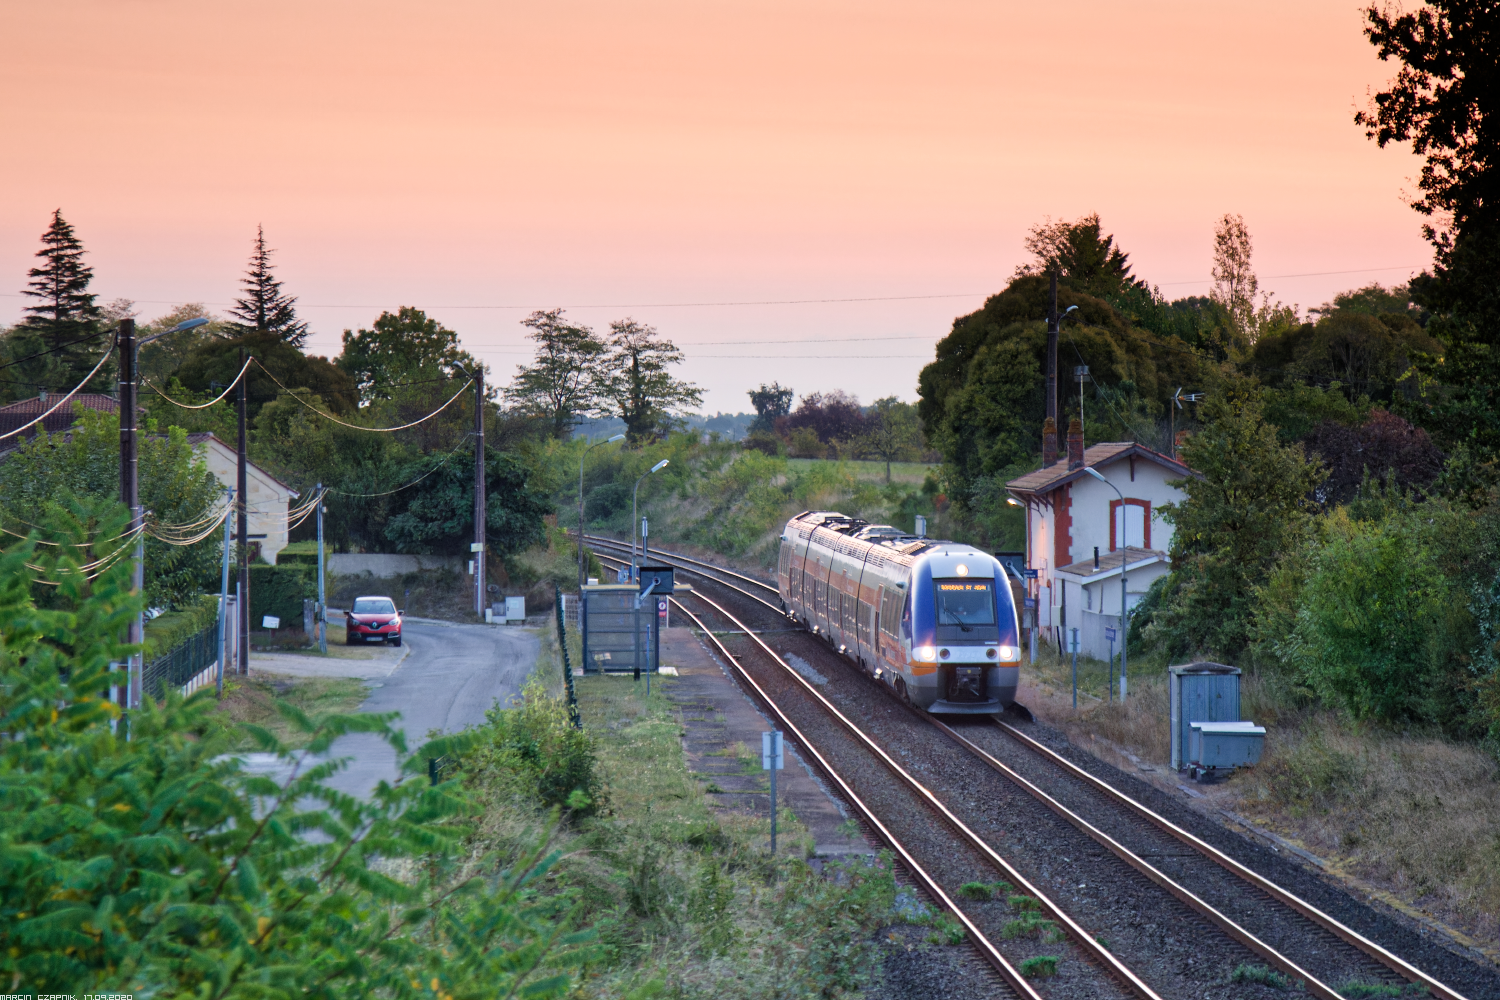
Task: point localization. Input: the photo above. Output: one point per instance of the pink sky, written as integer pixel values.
(624, 158)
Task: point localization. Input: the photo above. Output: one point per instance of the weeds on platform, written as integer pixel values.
(682, 899)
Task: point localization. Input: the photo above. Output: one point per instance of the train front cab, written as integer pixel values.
(965, 650)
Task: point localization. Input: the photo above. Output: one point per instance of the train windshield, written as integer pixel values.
(965, 603)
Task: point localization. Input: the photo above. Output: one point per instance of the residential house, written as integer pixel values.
(267, 498)
(1080, 532)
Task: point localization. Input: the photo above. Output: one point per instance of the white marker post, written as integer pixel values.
(772, 759)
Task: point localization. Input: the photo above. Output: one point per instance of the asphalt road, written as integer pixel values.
(452, 675)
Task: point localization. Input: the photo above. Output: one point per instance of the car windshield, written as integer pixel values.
(965, 602)
(374, 606)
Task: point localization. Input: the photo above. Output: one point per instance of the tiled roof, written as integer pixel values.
(24, 411)
(1109, 562)
(1058, 474)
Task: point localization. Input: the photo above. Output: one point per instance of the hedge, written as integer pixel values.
(280, 590)
(166, 632)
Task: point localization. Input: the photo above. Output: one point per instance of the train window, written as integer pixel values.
(965, 610)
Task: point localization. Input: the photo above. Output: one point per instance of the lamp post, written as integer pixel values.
(130, 492)
(635, 524)
(1124, 562)
(1031, 632)
(617, 437)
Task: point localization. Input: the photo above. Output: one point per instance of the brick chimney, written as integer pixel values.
(1075, 445)
(1049, 442)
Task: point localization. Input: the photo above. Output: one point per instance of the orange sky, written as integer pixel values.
(625, 158)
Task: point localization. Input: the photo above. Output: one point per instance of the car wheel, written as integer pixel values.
(396, 640)
(348, 639)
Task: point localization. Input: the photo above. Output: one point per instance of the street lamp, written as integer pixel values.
(1124, 561)
(617, 437)
(635, 524)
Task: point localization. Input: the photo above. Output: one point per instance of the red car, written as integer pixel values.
(372, 618)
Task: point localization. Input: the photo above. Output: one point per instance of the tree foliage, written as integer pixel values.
(1250, 503)
(404, 346)
(636, 384)
(264, 307)
(563, 384)
(1443, 101)
(50, 475)
(140, 857)
(62, 318)
(770, 402)
(213, 364)
(892, 433)
(1081, 253)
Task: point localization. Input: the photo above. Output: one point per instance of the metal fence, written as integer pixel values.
(176, 668)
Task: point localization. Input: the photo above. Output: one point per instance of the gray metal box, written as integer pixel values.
(608, 616)
(1200, 692)
(1226, 744)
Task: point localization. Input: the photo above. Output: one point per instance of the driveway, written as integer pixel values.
(449, 676)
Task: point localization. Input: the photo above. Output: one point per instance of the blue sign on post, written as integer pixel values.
(1110, 635)
(1029, 574)
(1028, 602)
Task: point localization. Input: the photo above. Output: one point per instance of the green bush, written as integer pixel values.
(140, 858)
(280, 591)
(1039, 966)
(538, 754)
(1245, 973)
(1376, 631)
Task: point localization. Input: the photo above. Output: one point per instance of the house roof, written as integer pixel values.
(24, 411)
(1109, 564)
(204, 437)
(1057, 474)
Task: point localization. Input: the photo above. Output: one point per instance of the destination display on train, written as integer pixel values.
(976, 585)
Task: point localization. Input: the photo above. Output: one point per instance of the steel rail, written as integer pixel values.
(1184, 895)
(1317, 916)
(597, 539)
(977, 937)
(1085, 941)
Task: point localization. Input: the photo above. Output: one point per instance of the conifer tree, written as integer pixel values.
(265, 308)
(64, 319)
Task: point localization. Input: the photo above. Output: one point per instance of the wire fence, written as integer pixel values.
(182, 664)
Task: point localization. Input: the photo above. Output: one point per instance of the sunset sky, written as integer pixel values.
(673, 161)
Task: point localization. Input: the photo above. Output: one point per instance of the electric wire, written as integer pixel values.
(73, 392)
(357, 427)
(60, 347)
(202, 406)
(398, 489)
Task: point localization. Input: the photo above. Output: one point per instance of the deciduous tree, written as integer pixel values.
(563, 384)
(403, 346)
(771, 402)
(892, 432)
(637, 384)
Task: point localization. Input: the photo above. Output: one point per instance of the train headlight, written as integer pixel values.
(926, 653)
(962, 570)
(1010, 652)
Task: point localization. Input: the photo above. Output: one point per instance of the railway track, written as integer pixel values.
(1274, 924)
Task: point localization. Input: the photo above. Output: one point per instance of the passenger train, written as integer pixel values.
(936, 621)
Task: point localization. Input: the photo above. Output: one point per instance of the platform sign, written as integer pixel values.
(1110, 635)
(772, 759)
(1029, 574)
(1028, 602)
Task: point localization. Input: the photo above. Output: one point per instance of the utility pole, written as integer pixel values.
(130, 496)
(244, 529)
(322, 623)
(1049, 439)
(479, 498)
(224, 625)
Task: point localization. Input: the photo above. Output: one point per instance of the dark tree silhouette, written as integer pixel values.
(63, 319)
(770, 402)
(833, 416)
(265, 308)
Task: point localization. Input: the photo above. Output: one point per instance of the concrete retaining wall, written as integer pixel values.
(386, 564)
